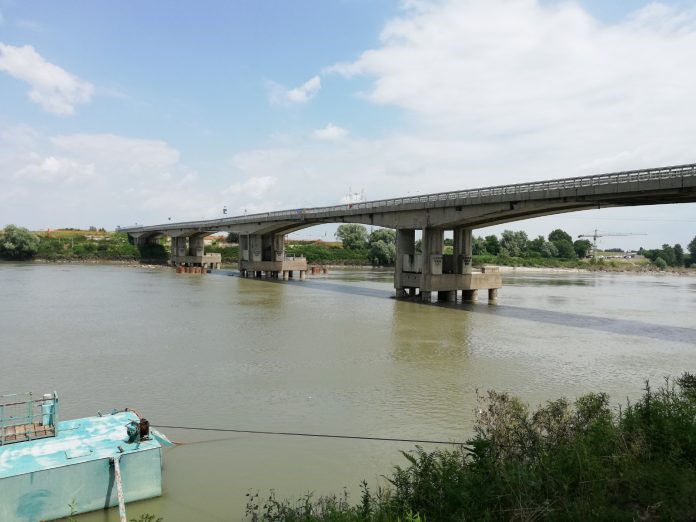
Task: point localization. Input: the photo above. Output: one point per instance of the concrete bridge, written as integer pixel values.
(261, 244)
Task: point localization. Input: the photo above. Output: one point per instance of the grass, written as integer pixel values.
(563, 461)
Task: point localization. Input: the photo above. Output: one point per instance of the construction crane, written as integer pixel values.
(607, 234)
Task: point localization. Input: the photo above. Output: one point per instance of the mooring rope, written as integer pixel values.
(318, 435)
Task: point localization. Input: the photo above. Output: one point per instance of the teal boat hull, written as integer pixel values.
(72, 473)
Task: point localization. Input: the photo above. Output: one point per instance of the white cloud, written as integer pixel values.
(281, 95)
(254, 187)
(55, 89)
(54, 169)
(105, 179)
(330, 133)
(130, 154)
(519, 67)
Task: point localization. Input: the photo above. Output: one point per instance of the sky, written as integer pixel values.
(116, 113)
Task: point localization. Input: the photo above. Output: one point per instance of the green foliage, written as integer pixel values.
(582, 247)
(227, 254)
(692, 250)
(478, 247)
(560, 235)
(539, 247)
(565, 249)
(670, 255)
(326, 253)
(660, 263)
(492, 245)
(513, 244)
(354, 237)
(75, 246)
(382, 253)
(18, 243)
(386, 235)
(153, 252)
(564, 461)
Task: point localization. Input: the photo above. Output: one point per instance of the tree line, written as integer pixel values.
(358, 246)
(379, 247)
(19, 244)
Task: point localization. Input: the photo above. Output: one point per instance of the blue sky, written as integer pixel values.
(119, 112)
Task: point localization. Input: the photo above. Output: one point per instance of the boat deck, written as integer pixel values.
(78, 440)
(24, 432)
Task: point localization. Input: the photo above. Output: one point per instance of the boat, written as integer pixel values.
(51, 469)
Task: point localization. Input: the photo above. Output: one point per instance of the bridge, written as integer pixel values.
(261, 243)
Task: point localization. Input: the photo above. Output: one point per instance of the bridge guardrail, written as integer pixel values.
(632, 176)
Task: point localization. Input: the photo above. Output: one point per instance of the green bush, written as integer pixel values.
(660, 263)
(228, 254)
(563, 461)
(18, 243)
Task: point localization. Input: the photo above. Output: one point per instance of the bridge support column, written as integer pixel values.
(432, 243)
(463, 249)
(492, 295)
(196, 246)
(265, 253)
(448, 296)
(470, 295)
(190, 252)
(179, 249)
(405, 252)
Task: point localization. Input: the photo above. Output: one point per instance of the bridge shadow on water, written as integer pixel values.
(630, 327)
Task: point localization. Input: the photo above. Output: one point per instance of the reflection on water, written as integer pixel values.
(335, 354)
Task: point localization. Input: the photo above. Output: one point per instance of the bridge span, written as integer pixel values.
(261, 244)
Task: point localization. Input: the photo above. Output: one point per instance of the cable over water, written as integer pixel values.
(318, 435)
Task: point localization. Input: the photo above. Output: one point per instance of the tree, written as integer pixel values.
(667, 253)
(514, 243)
(678, 255)
(18, 243)
(582, 247)
(548, 249)
(233, 237)
(565, 249)
(382, 253)
(353, 237)
(493, 245)
(560, 235)
(692, 251)
(383, 234)
(478, 248)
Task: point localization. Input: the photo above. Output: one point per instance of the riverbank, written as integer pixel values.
(619, 268)
(565, 461)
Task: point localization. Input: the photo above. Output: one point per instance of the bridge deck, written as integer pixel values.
(648, 186)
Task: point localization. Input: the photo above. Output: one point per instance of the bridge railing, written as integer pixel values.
(469, 196)
(679, 171)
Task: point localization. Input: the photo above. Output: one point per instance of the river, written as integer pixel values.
(334, 354)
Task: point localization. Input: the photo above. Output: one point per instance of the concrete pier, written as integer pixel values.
(432, 271)
(189, 251)
(266, 253)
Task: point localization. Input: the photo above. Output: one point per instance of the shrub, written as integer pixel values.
(563, 461)
(18, 243)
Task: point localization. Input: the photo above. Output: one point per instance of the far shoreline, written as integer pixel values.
(505, 269)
